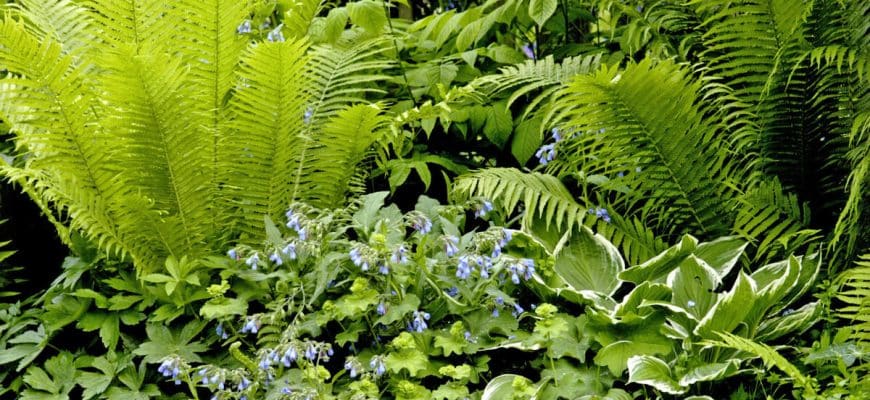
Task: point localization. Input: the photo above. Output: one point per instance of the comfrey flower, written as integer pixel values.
(524, 268)
(382, 309)
(453, 291)
(276, 35)
(251, 326)
(383, 269)
(529, 50)
(253, 261)
(483, 208)
(352, 366)
(311, 352)
(556, 134)
(463, 270)
(546, 153)
(306, 117)
(398, 256)
(601, 213)
(419, 322)
(290, 250)
(377, 365)
(233, 254)
(420, 223)
(517, 310)
(169, 368)
(276, 258)
(289, 357)
(221, 332)
(358, 259)
(243, 384)
(244, 27)
(450, 245)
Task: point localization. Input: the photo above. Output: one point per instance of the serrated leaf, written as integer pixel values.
(396, 312)
(499, 124)
(217, 308)
(526, 140)
(412, 360)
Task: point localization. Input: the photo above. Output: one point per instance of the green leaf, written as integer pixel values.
(366, 217)
(354, 304)
(396, 312)
(222, 307)
(503, 387)
(367, 14)
(350, 334)
(709, 372)
(615, 356)
(589, 262)
(526, 140)
(662, 264)
(722, 254)
(654, 372)
(450, 391)
(163, 342)
(694, 283)
(730, 310)
(499, 124)
(412, 360)
(542, 10)
(450, 344)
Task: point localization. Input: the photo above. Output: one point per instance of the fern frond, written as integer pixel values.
(163, 149)
(770, 357)
(262, 155)
(668, 152)
(65, 21)
(339, 77)
(332, 162)
(545, 75)
(543, 195)
(122, 24)
(766, 213)
(854, 292)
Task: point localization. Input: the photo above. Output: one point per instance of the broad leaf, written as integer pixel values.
(589, 262)
(654, 372)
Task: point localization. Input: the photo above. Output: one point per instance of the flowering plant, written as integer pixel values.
(379, 304)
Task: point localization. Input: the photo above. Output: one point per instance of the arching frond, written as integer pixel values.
(766, 213)
(855, 294)
(121, 24)
(542, 195)
(65, 21)
(546, 76)
(269, 133)
(332, 162)
(665, 152)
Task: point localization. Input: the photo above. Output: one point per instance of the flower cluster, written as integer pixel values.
(547, 152)
(419, 222)
(251, 326)
(294, 221)
(601, 213)
(418, 324)
(483, 208)
(244, 27)
(378, 365)
(275, 35)
(524, 268)
(170, 368)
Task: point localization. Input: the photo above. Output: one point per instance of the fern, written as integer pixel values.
(766, 213)
(165, 137)
(623, 127)
(854, 293)
(770, 357)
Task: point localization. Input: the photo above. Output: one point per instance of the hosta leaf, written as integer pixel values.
(694, 283)
(589, 262)
(722, 254)
(654, 372)
(709, 372)
(659, 266)
(616, 356)
(730, 309)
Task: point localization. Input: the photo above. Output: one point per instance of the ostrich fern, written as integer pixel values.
(157, 129)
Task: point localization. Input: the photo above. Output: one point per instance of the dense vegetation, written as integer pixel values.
(503, 199)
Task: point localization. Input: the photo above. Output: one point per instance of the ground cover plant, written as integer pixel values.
(503, 199)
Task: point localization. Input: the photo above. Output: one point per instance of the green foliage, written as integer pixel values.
(153, 159)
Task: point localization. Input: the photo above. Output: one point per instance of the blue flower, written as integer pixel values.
(352, 368)
(557, 135)
(450, 245)
(356, 256)
(398, 256)
(377, 365)
(276, 258)
(253, 260)
(244, 27)
(421, 223)
(244, 384)
(290, 250)
(311, 352)
(383, 269)
(289, 356)
(546, 153)
(276, 35)
(601, 213)
(419, 322)
(529, 50)
(463, 270)
(382, 309)
(483, 208)
(169, 368)
(499, 301)
(453, 291)
(233, 254)
(469, 338)
(286, 390)
(221, 332)
(517, 310)
(306, 117)
(251, 326)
